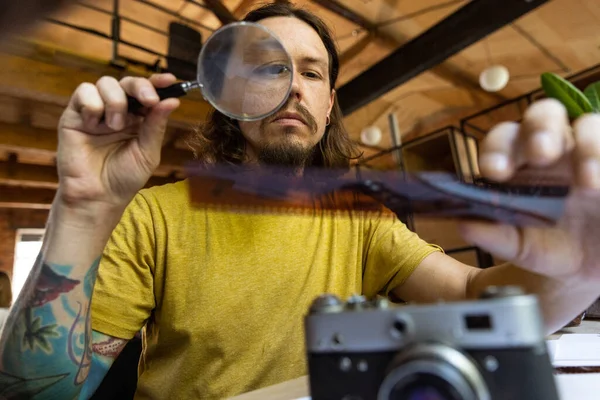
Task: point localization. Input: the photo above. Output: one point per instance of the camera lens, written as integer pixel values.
(426, 394)
(424, 387)
(432, 371)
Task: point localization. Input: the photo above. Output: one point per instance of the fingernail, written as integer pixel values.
(544, 143)
(116, 122)
(495, 161)
(148, 94)
(590, 173)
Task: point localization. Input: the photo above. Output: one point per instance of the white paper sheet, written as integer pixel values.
(575, 350)
(578, 386)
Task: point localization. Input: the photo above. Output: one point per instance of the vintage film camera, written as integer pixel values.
(492, 348)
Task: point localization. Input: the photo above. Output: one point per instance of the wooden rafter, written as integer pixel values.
(44, 177)
(355, 50)
(42, 74)
(28, 175)
(446, 70)
(243, 8)
(17, 137)
(220, 11)
(20, 197)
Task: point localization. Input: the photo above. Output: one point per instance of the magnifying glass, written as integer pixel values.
(243, 71)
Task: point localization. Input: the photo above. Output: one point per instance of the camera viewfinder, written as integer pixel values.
(478, 322)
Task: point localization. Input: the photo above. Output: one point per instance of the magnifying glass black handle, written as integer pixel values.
(175, 90)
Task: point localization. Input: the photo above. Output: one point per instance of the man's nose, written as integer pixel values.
(296, 90)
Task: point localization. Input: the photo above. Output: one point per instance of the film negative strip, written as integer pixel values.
(433, 194)
(577, 370)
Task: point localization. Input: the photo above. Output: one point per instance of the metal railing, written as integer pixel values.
(113, 32)
(456, 151)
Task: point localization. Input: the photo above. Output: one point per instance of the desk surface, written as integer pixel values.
(587, 326)
(294, 389)
(298, 388)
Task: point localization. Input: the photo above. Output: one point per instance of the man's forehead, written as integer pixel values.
(298, 38)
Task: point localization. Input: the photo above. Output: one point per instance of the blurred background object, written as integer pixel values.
(18, 16)
(5, 297)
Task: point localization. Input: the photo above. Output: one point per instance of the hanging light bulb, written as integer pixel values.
(494, 78)
(371, 136)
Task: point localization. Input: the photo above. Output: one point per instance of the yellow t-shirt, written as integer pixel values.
(224, 294)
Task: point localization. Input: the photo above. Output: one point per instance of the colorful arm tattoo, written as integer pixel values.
(46, 348)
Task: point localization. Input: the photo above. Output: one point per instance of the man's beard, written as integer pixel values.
(285, 155)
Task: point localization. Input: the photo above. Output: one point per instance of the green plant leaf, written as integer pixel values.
(562, 90)
(592, 92)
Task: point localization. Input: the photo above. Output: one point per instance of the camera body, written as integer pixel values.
(492, 348)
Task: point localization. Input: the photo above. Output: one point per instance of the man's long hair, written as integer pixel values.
(220, 140)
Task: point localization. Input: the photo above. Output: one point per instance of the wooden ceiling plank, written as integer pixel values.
(354, 50)
(222, 13)
(16, 137)
(345, 12)
(28, 175)
(27, 198)
(46, 81)
(243, 8)
(446, 70)
(36, 176)
(477, 19)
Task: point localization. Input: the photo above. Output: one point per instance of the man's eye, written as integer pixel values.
(312, 75)
(271, 70)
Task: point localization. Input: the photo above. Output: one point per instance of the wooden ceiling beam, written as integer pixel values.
(355, 50)
(44, 74)
(16, 137)
(28, 198)
(338, 8)
(475, 20)
(45, 177)
(243, 8)
(220, 11)
(446, 70)
(28, 175)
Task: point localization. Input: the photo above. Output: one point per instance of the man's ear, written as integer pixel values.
(331, 101)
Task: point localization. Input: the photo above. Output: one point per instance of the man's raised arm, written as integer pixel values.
(104, 157)
(46, 346)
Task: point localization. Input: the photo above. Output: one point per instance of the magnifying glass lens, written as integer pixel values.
(243, 71)
(246, 72)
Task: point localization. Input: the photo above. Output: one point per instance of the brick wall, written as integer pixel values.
(10, 221)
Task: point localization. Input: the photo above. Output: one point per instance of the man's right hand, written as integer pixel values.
(106, 155)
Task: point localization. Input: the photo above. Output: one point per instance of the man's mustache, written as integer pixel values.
(298, 108)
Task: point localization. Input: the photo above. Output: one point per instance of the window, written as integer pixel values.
(27, 248)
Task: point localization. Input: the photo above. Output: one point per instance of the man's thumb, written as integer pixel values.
(152, 131)
(542, 250)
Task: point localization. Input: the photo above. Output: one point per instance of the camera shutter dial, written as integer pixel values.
(326, 303)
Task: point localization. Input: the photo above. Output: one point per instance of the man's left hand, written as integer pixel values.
(569, 251)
